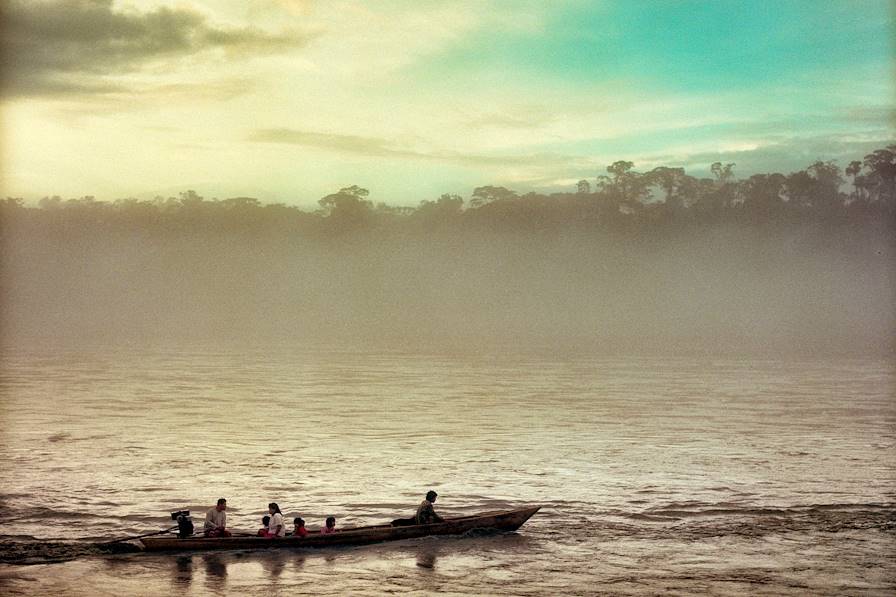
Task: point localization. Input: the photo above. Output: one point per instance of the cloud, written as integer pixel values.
(298, 8)
(80, 46)
(871, 115)
(513, 117)
(379, 147)
(790, 154)
(400, 43)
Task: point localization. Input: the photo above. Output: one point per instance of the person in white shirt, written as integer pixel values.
(216, 521)
(276, 528)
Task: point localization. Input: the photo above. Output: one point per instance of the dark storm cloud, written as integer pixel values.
(72, 47)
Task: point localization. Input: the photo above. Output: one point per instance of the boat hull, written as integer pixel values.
(505, 521)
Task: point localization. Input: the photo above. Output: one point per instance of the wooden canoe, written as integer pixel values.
(506, 520)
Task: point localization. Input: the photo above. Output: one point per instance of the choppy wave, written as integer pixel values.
(702, 509)
(687, 474)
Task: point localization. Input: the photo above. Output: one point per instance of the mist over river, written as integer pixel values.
(687, 475)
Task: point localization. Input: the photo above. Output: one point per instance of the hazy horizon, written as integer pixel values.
(564, 275)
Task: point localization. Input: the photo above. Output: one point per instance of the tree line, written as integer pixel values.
(623, 198)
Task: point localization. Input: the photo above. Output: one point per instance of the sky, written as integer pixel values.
(290, 100)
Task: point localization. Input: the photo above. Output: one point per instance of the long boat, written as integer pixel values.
(505, 520)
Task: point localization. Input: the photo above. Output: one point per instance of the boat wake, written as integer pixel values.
(33, 551)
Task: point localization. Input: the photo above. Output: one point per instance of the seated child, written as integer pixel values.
(300, 528)
(263, 531)
(330, 526)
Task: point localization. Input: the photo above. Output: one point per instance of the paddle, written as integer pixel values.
(138, 536)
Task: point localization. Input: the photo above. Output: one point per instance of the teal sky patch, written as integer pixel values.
(684, 45)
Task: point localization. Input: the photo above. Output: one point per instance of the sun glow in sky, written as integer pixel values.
(289, 100)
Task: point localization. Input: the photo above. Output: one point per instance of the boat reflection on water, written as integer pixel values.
(273, 567)
(214, 569)
(215, 572)
(427, 564)
(182, 575)
(427, 554)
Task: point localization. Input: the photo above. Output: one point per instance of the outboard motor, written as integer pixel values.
(184, 523)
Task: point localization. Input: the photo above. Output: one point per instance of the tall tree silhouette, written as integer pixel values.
(881, 177)
(348, 207)
(488, 194)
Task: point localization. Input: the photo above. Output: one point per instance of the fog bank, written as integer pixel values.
(806, 289)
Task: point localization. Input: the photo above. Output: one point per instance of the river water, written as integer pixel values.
(683, 475)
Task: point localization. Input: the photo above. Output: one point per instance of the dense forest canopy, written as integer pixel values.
(797, 263)
(621, 197)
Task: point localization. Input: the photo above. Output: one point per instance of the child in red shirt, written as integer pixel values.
(300, 528)
(263, 531)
